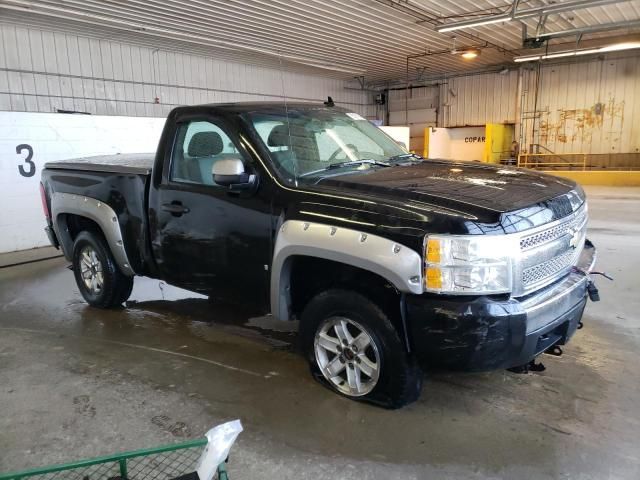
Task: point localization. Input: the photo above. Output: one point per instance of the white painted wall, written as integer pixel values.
(464, 143)
(399, 134)
(54, 136)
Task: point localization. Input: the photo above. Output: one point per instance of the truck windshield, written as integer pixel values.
(309, 143)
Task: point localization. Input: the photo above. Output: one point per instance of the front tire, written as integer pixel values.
(353, 348)
(97, 275)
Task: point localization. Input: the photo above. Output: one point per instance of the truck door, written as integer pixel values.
(205, 237)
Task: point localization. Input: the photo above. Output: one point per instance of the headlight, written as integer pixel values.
(470, 264)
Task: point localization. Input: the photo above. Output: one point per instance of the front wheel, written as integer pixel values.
(354, 349)
(98, 277)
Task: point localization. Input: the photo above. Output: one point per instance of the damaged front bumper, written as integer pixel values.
(485, 333)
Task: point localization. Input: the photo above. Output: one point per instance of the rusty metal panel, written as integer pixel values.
(588, 107)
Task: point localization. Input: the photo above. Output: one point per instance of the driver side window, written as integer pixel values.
(199, 145)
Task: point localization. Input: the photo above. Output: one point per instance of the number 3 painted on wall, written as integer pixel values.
(31, 171)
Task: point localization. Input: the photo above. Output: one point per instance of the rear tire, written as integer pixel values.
(97, 275)
(353, 348)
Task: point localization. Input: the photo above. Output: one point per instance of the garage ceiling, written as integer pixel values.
(341, 38)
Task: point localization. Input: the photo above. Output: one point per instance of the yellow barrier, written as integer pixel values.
(532, 160)
(427, 136)
(594, 177)
(498, 139)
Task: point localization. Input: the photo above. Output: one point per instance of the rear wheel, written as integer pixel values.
(97, 275)
(353, 348)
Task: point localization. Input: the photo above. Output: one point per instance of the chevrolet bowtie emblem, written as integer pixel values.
(575, 238)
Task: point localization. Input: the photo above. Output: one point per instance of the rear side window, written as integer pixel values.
(199, 145)
(265, 128)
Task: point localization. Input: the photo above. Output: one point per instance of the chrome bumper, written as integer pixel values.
(546, 306)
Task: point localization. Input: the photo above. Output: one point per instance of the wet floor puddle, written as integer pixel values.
(186, 308)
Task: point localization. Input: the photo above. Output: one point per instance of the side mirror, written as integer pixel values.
(229, 172)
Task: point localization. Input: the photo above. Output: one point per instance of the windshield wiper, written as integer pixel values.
(368, 161)
(405, 156)
(350, 163)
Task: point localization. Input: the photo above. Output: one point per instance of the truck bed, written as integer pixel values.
(129, 163)
(119, 181)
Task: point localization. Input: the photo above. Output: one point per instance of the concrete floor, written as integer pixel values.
(10, 259)
(77, 382)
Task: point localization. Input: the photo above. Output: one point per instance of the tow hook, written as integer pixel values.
(554, 350)
(592, 290)
(532, 366)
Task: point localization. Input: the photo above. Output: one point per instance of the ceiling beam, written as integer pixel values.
(590, 29)
(515, 14)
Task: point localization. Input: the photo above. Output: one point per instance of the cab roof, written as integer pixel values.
(255, 107)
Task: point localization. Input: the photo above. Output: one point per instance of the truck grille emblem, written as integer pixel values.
(575, 238)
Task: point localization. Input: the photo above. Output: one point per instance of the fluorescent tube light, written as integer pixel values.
(570, 54)
(620, 46)
(573, 53)
(530, 58)
(470, 24)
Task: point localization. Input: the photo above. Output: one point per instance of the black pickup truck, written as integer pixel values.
(390, 262)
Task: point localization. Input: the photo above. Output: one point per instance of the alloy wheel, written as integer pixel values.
(91, 270)
(347, 356)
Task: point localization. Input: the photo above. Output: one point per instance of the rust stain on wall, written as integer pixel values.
(579, 125)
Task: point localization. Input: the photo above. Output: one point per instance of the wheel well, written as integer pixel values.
(77, 224)
(311, 275)
(70, 225)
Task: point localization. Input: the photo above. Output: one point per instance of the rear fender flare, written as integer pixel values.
(99, 212)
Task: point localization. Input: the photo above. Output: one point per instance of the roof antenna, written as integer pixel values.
(286, 111)
(329, 102)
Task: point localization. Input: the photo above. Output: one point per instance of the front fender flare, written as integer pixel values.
(398, 264)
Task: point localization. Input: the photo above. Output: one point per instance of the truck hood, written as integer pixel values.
(464, 186)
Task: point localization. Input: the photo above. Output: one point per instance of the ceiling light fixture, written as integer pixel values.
(473, 23)
(616, 47)
(470, 54)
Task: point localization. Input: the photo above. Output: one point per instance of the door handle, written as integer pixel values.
(175, 208)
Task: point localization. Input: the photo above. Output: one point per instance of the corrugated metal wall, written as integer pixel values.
(42, 71)
(479, 99)
(588, 107)
(419, 110)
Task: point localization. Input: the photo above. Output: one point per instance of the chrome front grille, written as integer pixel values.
(542, 271)
(549, 252)
(550, 234)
